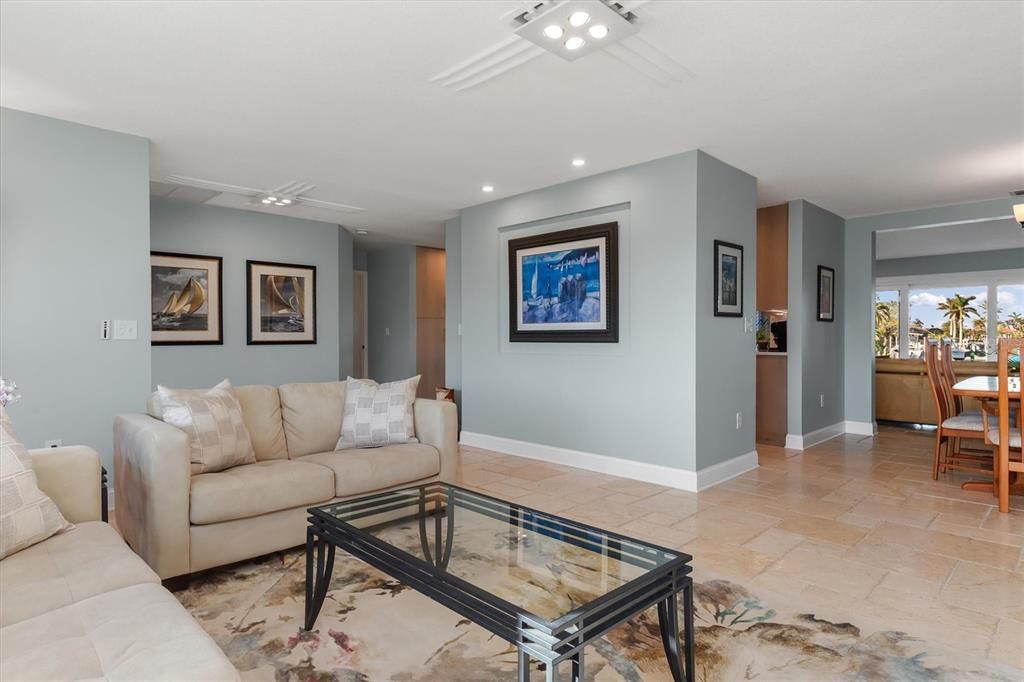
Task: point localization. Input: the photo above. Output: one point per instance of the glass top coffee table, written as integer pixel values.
(546, 584)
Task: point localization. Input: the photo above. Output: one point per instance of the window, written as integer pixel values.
(956, 307)
(951, 313)
(887, 324)
(1010, 310)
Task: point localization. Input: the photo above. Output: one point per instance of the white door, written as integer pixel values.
(360, 363)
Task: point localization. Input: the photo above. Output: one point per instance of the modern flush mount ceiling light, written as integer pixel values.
(487, 188)
(578, 18)
(362, 233)
(577, 27)
(554, 31)
(1018, 206)
(579, 162)
(271, 200)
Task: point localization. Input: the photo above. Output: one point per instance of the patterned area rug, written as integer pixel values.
(374, 628)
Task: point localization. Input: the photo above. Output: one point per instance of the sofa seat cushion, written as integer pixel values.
(134, 633)
(367, 470)
(87, 560)
(260, 488)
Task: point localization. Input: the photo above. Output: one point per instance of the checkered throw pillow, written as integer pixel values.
(27, 514)
(377, 414)
(217, 437)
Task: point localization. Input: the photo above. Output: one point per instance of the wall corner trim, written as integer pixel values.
(861, 428)
(682, 479)
(797, 442)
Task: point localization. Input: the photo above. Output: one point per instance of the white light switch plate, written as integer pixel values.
(125, 330)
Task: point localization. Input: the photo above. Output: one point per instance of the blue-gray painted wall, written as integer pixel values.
(74, 250)
(815, 348)
(453, 306)
(979, 261)
(237, 236)
(725, 367)
(636, 399)
(391, 275)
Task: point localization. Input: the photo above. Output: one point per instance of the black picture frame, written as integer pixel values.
(162, 337)
(259, 337)
(826, 303)
(728, 301)
(609, 232)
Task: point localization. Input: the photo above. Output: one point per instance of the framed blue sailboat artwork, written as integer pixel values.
(564, 286)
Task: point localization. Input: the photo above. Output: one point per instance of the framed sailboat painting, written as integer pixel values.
(281, 302)
(564, 286)
(186, 299)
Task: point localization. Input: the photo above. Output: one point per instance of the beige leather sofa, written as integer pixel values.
(82, 605)
(182, 523)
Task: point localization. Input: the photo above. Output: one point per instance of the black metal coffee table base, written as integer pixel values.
(552, 644)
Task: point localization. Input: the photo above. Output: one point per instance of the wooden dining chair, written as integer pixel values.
(1006, 434)
(949, 425)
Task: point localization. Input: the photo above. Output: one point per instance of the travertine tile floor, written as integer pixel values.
(853, 528)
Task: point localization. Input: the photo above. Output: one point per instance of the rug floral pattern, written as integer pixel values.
(374, 628)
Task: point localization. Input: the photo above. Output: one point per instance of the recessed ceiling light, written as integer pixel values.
(272, 198)
(578, 19)
(579, 162)
(488, 188)
(574, 43)
(267, 201)
(554, 31)
(286, 201)
(598, 31)
(362, 233)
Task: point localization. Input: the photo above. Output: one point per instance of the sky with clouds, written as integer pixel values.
(924, 302)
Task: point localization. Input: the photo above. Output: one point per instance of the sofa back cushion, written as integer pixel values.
(311, 413)
(261, 412)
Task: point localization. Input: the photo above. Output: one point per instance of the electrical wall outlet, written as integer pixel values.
(126, 330)
(55, 443)
(821, 400)
(106, 330)
(739, 420)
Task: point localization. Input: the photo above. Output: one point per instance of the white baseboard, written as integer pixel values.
(861, 428)
(682, 479)
(797, 442)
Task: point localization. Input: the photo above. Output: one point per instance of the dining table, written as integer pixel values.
(987, 388)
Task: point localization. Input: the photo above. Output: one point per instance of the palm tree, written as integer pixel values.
(886, 326)
(958, 309)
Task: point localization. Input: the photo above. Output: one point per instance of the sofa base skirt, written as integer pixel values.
(217, 544)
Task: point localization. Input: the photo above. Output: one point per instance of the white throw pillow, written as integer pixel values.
(217, 436)
(27, 514)
(378, 414)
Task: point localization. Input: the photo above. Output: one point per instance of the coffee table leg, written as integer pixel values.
(691, 668)
(552, 672)
(523, 674)
(318, 582)
(668, 619)
(577, 667)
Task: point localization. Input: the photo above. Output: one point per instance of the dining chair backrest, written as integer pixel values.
(936, 381)
(1005, 345)
(949, 375)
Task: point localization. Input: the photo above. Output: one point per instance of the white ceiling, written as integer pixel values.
(991, 235)
(860, 107)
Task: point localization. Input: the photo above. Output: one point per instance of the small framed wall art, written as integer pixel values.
(564, 286)
(728, 279)
(186, 299)
(280, 303)
(826, 294)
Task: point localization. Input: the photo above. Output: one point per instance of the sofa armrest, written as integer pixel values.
(437, 424)
(72, 477)
(152, 479)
